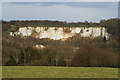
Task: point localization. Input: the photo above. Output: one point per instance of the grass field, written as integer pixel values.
(58, 72)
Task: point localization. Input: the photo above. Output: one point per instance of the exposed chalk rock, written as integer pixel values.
(40, 46)
(61, 33)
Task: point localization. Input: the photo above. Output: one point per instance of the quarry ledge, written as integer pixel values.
(61, 33)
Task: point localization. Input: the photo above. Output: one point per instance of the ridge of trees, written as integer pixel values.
(44, 23)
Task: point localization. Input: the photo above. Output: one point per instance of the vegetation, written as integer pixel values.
(14, 25)
(112, 26)
(60, 53)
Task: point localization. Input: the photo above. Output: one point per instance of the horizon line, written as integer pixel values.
(53, 20)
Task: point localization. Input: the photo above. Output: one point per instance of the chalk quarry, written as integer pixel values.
(61, 33)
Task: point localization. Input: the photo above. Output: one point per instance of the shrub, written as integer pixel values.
(11, 62)
(66, 30)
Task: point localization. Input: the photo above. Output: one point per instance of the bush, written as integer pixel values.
(11, 62)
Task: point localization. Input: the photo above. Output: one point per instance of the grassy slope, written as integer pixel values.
(58, 72)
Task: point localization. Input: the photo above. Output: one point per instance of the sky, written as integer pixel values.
(62, 11)
(59, 0)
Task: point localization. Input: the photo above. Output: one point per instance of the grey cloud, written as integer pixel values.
(60, 11)
(71, 4)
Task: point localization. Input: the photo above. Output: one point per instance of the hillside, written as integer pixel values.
(76, 51)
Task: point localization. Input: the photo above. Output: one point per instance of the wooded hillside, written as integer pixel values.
(75, 51)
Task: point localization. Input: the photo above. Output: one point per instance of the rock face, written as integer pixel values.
(40, 46)
(61, 33)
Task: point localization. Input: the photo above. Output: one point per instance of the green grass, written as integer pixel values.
(58, 72)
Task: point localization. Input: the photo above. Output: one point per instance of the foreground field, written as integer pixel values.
(58, 72)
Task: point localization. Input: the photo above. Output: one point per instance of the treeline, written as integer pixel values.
(76, 51)
(112, 26)
(44, 23)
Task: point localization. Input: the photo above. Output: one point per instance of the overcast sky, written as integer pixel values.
(62, 11)
(59, 0)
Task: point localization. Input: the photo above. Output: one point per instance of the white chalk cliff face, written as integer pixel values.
(60, 33)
